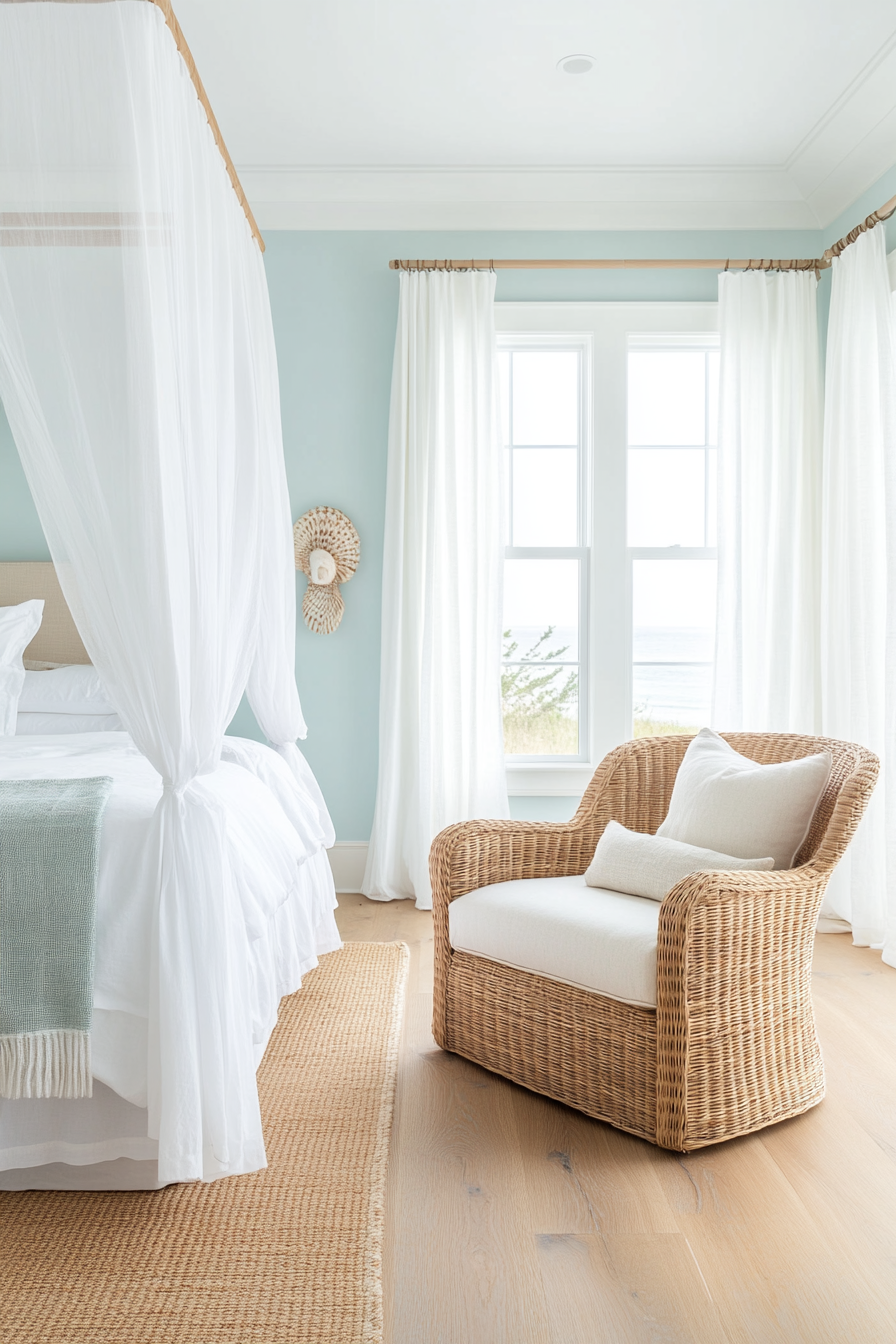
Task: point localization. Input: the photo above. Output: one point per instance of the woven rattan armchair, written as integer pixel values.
(731, 1046)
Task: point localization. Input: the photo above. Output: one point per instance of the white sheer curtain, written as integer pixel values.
(441, 739)
(859, 571)
(770, 431)
(137, 370)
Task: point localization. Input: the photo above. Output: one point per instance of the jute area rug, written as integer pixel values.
(290, 1255)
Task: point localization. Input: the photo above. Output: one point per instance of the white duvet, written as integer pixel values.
(278, 837)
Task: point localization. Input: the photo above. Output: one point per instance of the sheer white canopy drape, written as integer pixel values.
(441, 737)
(767, 674)
(859, 571)
(138, 372)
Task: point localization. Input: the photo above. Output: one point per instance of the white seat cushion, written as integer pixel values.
(600, 941)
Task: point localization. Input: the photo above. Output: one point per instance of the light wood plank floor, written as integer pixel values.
(512, 1220)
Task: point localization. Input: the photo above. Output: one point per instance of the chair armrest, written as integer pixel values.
(734, 965)
(630, 786)
(473, 854)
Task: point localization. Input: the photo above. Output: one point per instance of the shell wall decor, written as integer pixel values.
(327, 550)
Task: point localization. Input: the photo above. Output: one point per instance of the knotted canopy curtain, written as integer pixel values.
(138, 372)
(441, 738)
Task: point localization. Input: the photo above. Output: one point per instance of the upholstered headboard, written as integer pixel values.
(57, 640)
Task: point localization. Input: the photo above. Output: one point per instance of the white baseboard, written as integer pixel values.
(348, 859)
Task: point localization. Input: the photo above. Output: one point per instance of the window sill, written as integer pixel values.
(543, 780)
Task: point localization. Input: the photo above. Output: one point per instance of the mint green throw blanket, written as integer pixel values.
(49, 854)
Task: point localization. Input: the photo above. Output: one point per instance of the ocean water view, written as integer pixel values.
(672, 669)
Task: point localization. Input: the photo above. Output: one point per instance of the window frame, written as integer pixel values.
(581, 553)
(607, 695)
(698, 342)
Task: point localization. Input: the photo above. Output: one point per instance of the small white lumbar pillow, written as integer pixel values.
(724, 801)
(18, 626)
(649, 865)
(73, 689)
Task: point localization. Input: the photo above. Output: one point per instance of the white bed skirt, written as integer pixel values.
(123, 1174)
(100, 1142)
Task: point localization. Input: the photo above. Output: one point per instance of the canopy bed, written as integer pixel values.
(138, 374)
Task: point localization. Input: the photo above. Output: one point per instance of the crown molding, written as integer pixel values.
(507, 197)
(853, 144)
(571, 198)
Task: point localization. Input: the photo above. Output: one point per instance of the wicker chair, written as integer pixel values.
(731, 1046)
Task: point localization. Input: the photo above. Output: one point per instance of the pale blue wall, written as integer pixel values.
(872, 199)
(21, 535)
(334, 305)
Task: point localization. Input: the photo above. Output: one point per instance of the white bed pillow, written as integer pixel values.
(18, 626)
(29, 724)
(74, 689)
(651, 865)
(724, 801)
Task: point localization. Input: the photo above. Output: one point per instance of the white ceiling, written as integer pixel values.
(452, 113)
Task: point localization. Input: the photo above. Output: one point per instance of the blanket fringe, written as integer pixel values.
(45, 1064)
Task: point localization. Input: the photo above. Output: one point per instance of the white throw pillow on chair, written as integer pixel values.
(726, 802)
(651, 865)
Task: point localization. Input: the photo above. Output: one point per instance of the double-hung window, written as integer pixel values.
(671, 496)
(609, 413)
(546, 570)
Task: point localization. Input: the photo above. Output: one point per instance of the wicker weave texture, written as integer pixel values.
(290, 1255)
(732, 1046)
(515, 1024)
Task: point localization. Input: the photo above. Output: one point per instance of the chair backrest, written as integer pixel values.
(642, 774)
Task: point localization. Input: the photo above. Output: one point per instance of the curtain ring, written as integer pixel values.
(727, 262)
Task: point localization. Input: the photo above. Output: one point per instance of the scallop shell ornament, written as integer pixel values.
(327, 550)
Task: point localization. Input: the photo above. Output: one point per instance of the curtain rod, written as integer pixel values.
(181, 43)
(655, 263)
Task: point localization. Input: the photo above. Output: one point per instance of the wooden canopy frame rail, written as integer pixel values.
(170, 17)
(816, 264)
